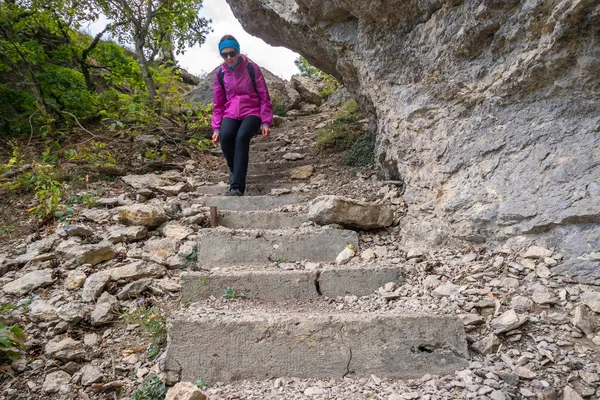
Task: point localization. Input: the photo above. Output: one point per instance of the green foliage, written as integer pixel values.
(64, 214)
(151, 389)
(50, 73)
(120, 69)
(280, 260)
(231, 294)
(7, 307)
(279, 108)
(201, 383)
(306, 69)
(40, 180)
(65, 89)
(152, 322)
(11, 342)
(362, 153)
(190, 258)
(86, 199)
(198, 122)
(342, 133)
(96, 154)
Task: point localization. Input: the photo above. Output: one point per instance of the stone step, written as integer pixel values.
(243, 342)
(254, 189)
(277, 284)
(248, 203)
(260, 219)
(220, 247)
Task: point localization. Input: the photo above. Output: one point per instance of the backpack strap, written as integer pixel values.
(252, 75)
(221, 75)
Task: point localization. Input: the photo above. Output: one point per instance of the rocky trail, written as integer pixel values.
(282, 300)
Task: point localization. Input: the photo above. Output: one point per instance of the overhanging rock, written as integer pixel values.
(486, 110)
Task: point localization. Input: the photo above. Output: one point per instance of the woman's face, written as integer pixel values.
(230, 55)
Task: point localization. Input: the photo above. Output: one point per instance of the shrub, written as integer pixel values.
(151, 389)
(342, 133)
(11, 342)
(153, 323)
(362, 153)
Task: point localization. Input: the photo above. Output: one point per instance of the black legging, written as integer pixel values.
(235, 139)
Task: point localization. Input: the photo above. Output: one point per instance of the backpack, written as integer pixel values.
(221, 74)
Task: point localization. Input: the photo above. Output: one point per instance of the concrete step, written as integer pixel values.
(220, 247)
(258, 168)
(254, 189)
(227, 344)
(260, 219)
(248, 203)
(277, 284)
(265, 146)
(260, 179)
(264, 156)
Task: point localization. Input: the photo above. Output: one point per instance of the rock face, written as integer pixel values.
(486, 110)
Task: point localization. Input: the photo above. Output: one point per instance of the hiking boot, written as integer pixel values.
(235, 192)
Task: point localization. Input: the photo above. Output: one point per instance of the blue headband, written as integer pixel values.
(229, 43)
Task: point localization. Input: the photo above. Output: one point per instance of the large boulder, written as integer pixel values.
(350, 213)
(308, 89)
(486, 110)
(283, 95)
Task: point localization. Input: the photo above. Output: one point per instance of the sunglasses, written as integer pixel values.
(229, 54)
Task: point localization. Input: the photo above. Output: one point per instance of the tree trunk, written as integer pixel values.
(139, 49)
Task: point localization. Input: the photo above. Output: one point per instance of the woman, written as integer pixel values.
(242, 106)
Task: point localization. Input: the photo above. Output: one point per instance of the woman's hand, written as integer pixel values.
(215, 137)
(265, 131)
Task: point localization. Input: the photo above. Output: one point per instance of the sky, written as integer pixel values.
(200, 60)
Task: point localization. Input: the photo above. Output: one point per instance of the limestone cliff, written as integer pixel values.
(488, 110)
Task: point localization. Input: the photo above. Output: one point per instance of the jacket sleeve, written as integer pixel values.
(219, 100)
(266, 107)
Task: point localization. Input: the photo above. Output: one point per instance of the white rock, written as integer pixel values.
(293, 156)
(315, 391)
(136, 270)
(507, 321)
(91, 374)
(544, 295)
(537, 252)
(521, 304)
(185, 391)
(66, 349)
(75, 280)
(94, 286)
(41, 310)
(592, 300)
(368, 254)
(570, 394)
(345, 255)
(448, 289)
(176, 231)
(524, 373)
(542, 271)
(28, 282)
(55, 380)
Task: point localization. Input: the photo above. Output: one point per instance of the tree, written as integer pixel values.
(156, 25)
(306, 69)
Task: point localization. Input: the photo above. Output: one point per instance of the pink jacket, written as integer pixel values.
(239, 100)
